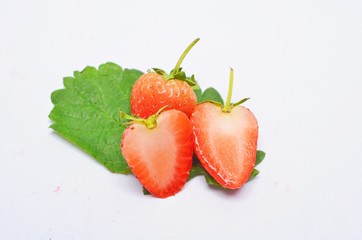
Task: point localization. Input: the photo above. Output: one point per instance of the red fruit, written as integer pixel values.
(152, 92)
(159, 151)
(226, 141)
(155, 90)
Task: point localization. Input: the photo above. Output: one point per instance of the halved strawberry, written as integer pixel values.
(159, 151)
(156, 89)
(226, 140)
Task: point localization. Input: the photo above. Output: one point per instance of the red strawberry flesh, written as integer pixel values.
(225, 142)
(161, 157)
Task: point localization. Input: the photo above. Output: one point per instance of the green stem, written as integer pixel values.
(228, 100)
(124, 115)
(150, 122)
(178, 64)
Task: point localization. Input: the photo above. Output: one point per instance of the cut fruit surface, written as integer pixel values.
(225, 142)
(161, 157)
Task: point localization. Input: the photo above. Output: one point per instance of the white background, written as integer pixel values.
(299, 61)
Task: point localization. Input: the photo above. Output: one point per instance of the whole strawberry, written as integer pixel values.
(226, 140)
(159, 151)
(156, 89)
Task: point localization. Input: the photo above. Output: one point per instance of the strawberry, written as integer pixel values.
(226, 140)
(156, 89)
(159, 151)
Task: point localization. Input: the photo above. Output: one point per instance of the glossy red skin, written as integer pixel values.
(151, 92)
(161, 158)
(225, 143)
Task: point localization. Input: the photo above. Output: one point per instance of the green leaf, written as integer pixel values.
(198, 92)
(180, 75)
(211, 94)
(86, 111)
(240, 102)
(260, 155)
(198, 170)
(145, 191)
(253, 174)
(159, 71)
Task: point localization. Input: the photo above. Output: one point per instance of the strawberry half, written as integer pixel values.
(159, 151)
(156, 89)
(226, 140)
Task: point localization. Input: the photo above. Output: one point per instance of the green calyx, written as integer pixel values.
(150, 122)
(228, 105)
(177, 72)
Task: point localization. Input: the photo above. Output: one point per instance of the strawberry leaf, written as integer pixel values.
(158, 70)
(197, 91)
(180, 75)
(240, 102)
(86, 112)
(211, 94)
(145, 191)
(253, 174)
(260, 155)
(198, 170)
